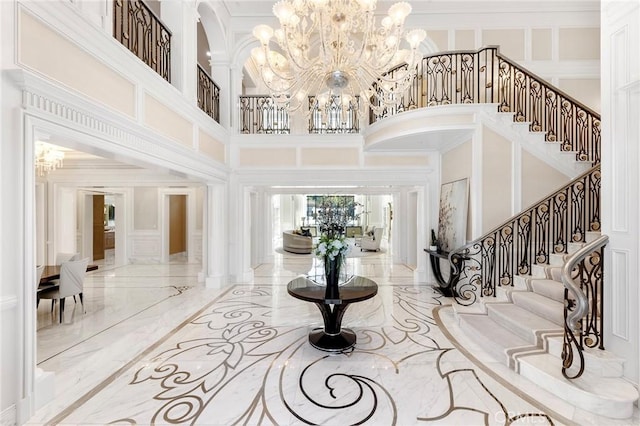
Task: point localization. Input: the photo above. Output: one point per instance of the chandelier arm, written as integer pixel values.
(273, 68)
(322, 44)
(370, 23)
(287, 48)
(268, 82)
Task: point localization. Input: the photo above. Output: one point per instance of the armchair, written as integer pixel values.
(372, 242)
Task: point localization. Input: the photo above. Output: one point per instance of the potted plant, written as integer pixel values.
(434, 241)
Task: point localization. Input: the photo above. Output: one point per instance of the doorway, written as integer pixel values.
(103, 225)
(98, 226)
(178, 225)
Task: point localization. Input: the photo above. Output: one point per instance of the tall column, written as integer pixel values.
(235, 90)
(420, 273)
(239, 232)
(215, 229)
(222, 76)
(181, 17)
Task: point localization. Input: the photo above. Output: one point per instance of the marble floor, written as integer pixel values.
(155, 347)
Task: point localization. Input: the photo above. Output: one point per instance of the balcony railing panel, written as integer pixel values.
(208, 95)
(334, 117)
(260, 115)
(142, 32)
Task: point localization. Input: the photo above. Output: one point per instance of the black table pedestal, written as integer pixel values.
(333, 338)
(345, 339)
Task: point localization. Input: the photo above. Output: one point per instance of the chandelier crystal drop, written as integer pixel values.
(334, 48)
(48, 158)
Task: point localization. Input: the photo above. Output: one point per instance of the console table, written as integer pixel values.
(446, 287)
(332, 337)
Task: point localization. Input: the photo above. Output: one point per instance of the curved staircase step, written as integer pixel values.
(597, 361)
(606, 396)
(555, 273)
(540, 305)
(548, 288)
(491, 336)
(520, 321)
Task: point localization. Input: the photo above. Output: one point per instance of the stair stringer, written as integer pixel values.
(551, 153)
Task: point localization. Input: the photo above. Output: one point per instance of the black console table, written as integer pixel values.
(446, 287)
(332, 337)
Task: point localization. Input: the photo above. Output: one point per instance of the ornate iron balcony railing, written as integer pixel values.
(335, 118)
(259, 114)
(208, 95)
(485, 76)
(142, 32)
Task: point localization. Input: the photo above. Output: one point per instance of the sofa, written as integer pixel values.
(294, 243)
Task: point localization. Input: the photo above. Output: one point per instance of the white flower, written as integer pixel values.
(321, 250)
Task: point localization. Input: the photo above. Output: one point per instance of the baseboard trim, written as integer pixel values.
(8, 416)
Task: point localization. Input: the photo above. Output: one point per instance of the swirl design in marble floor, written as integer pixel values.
(246, 360)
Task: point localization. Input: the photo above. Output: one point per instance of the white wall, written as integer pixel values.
(621, 179)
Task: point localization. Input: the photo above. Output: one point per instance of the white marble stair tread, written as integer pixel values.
(491, 336)
(558, 259)
(574, 247)
(521, 282)
(597, 361)
(475, 308)
(591, 236)
(539, 271)
(555, 273)
(610, 397)
(540, 305)
(519, 320)
(549, 288)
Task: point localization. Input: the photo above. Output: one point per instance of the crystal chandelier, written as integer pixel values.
(329, 49)
(48, 158)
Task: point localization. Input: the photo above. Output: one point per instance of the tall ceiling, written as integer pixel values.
(253, 8)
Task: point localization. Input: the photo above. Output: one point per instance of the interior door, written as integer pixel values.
(177, 224)
(98, 227)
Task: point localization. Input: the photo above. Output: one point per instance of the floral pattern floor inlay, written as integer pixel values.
(245, 359)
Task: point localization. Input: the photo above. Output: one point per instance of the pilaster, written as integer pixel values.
(215, 251)
(181, 17)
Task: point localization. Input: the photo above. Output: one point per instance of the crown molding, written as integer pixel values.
(104, 130)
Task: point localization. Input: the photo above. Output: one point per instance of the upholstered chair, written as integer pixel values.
(72, 275)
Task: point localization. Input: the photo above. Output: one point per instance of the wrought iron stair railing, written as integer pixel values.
(531, 238)
(582, 278)
(528, 239)
(486, 76)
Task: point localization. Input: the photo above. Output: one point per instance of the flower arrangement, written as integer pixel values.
(332, 246)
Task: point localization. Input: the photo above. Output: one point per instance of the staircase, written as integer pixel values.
(523, 328)
(520, 285)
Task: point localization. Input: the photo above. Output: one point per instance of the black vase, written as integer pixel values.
(331, 276)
